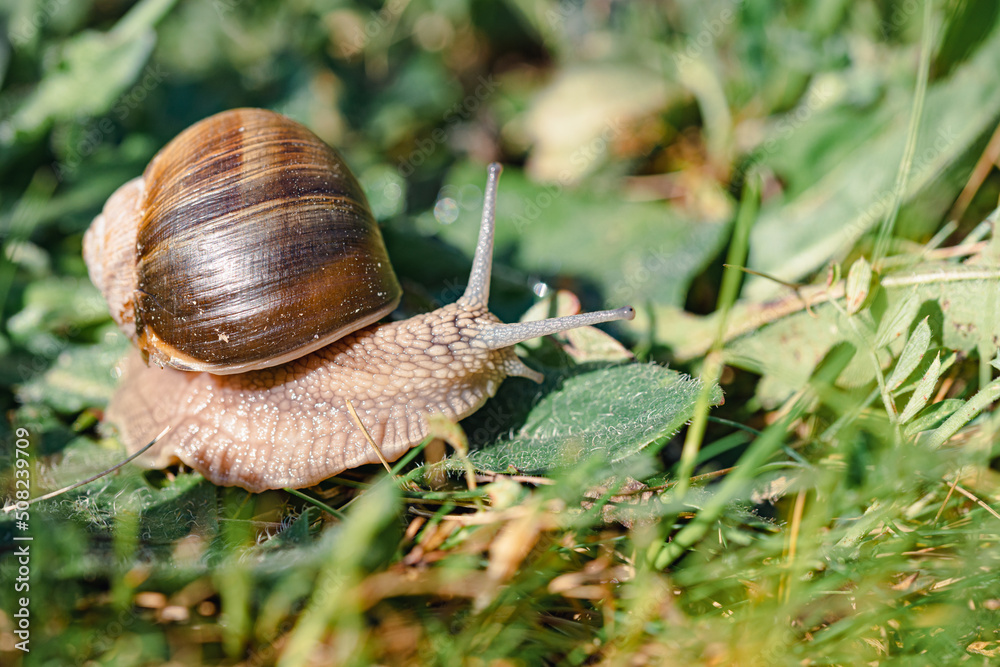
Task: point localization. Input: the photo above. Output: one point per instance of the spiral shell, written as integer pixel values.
(246, 243)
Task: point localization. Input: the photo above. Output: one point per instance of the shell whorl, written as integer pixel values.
(254, 245)
(109, 252)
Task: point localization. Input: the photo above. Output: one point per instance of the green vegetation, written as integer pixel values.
(813, 480)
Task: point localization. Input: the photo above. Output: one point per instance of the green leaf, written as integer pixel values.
(93, 70)
(996, 362)
(57, 304)
(786, 352)
(922, 393)
(82, 376)
(911, 355)
(979, 402)
(853, 193)
(296, 533)
(612, 412)
(783, 342)
(859, 285)
(896, 319)
(933, 415)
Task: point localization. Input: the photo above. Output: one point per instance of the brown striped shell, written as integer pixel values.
(246, 243)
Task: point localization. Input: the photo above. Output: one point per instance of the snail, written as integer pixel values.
(247, 268)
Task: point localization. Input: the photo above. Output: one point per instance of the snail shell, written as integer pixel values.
(246, 243)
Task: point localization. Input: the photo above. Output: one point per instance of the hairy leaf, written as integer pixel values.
(612, 413)
(923, 391)
(911, 355)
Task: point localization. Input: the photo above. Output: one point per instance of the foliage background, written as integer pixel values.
(628, 131)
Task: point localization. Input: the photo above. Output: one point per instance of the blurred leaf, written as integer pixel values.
(794, 238)
(922, 392)
(896, 320)
(82, 376)
(366, 523)
(911, 355)
(386, 190)
(933, 416)
(859, 285)
(783, 342)
(968, 24)
(611, 413)
(786, 353)
(961, 300)
(93, 69)
(57, 304)
(570, 138)
(635, 251)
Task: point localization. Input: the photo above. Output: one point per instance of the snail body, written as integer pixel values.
(280, 418)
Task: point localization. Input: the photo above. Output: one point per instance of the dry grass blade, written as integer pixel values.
(76, 485)
(368, 437)
(974, 499)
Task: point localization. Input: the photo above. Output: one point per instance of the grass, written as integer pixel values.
(838, 507)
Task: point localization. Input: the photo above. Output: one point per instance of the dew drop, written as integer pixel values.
(446, 210)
